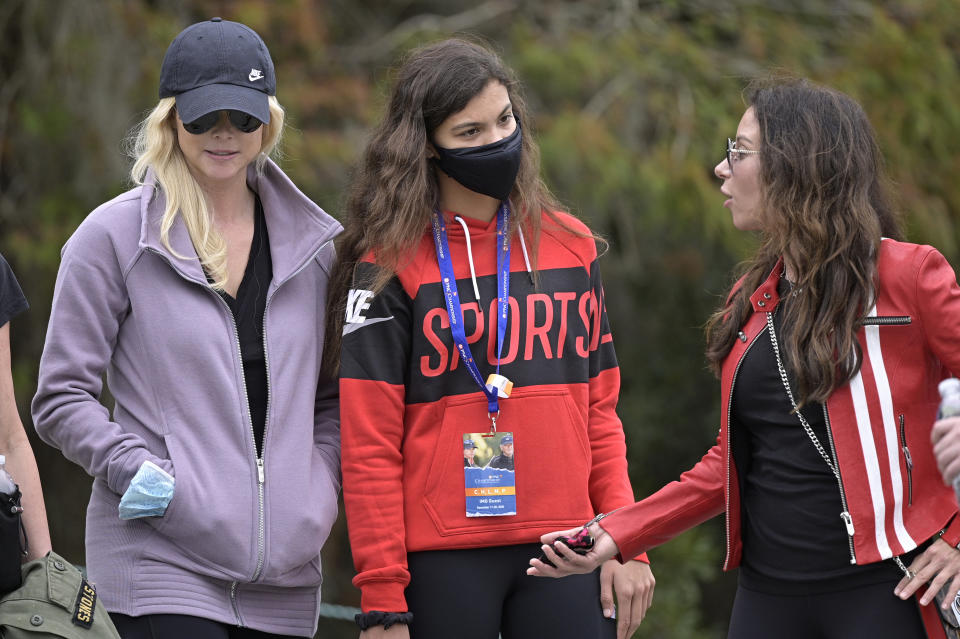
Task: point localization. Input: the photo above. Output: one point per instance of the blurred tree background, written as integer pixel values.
(632, 103)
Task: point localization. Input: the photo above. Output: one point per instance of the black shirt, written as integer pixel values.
(501, 461)
(12, 301)
(248, 308)
(791, 504)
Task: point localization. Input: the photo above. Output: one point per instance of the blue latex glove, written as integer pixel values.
(149, 493)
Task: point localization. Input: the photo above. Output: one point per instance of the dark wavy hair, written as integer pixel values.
(825, 206)
(394, 191)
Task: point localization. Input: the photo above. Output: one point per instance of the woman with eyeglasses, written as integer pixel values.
(829, 349)
(473, 325)
(201, 294)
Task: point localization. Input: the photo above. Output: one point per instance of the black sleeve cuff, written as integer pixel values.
(386, 619)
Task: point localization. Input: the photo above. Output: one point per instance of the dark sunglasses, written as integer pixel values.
(243, 121)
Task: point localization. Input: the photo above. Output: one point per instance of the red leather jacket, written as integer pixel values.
(879, 424)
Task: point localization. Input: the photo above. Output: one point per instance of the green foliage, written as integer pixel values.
(631, 104)
(680, 611)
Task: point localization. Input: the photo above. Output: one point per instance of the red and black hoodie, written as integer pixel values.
(406, 401)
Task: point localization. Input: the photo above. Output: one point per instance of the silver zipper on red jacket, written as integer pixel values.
(879, 320)
(832, 463)
(887, 320)
(733, 380)
(845, 515)
(907, 460)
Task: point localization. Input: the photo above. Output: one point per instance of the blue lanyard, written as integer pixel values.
(455, 314)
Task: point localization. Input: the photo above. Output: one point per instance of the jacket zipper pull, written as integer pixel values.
(848, 522)
(906, 451)
(907, 458)
(260, 470)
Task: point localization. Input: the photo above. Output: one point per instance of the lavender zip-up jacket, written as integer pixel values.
(240, 541)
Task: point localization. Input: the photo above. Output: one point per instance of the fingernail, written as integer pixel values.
(606, 612)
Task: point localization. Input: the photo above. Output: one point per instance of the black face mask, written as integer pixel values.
(490, 169)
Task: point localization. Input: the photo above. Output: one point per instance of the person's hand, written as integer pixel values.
(946, 446)
(566, 561)
(633, 584)
(938, 564)
(396, 631)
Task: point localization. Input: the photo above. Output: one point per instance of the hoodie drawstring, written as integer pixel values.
(526, 260)
(473, 272)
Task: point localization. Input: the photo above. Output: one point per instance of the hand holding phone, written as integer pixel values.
(581, 543)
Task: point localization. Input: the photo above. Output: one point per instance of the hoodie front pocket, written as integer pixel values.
(552, 462)
(210, 518)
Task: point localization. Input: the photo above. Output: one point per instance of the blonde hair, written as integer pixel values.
(154, 145)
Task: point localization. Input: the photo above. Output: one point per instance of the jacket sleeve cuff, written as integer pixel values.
(620, 535)
(951, 534)
(122, 471)
(379, 618)
(383, 595)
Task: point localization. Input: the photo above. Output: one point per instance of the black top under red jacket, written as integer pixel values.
(407, 400)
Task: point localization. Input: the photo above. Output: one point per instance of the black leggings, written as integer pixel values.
(478, 593)
(182, 627)
(867, 612)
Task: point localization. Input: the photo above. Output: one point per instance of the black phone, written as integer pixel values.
(581, 543)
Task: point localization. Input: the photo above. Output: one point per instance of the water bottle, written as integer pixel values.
(950, 407)
(7, 485)
(11, 543)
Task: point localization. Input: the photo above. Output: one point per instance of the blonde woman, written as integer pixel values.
(201, 294)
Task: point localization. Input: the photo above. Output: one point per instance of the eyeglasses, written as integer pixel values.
(243, 121)
(733, 151)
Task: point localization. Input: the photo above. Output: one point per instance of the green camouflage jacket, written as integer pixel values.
(54, 601)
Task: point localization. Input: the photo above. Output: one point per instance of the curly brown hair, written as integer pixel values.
(825, 208)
